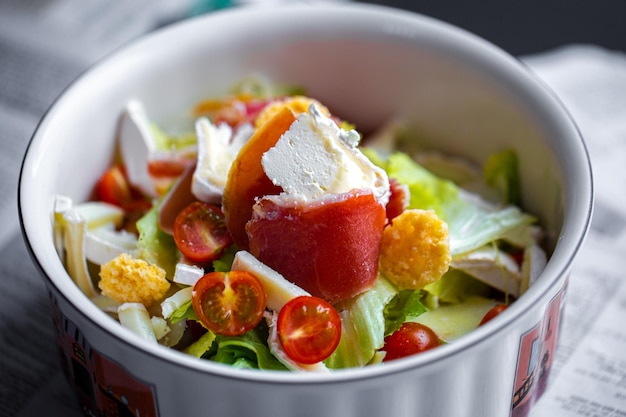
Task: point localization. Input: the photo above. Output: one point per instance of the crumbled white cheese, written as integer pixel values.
(99, 213)
(187, 274)
(106, 243)
(135, 317)
(279, 290)
(491, 266)
(175, 301)
(137, 144)
(315, 157)
(215, 156)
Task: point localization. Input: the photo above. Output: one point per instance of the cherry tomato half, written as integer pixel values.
(493, 312)
(409, 339)
(229, 303)
(113, 188)
(309, 329)
(168, 168)
(398, 199)
(200, 232)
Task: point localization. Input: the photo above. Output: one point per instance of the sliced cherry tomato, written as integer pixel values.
(229, 303)
(493, 312)
(398, 200)
(200, 232)
(309, 329)
(411, 338)
(168, 168)
(113, 188)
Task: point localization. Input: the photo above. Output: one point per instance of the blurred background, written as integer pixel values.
(530, 26)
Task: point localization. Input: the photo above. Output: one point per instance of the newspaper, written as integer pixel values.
(590, 376)
(45, 44)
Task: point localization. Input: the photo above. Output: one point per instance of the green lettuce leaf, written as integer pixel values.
(246, 351)
(453, 321)
(154, 245)
(225, 262)
(501, 172)
(166, 143)
(472, 221)
(185, 311)
(262, 87)
(427, 191)
(406, 305)
(201, 346)
(363, 326)
(456, 286)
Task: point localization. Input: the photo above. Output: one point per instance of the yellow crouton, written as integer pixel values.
(298, 104)
(129, 280)
(415, 249)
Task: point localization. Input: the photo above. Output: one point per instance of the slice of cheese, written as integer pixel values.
(137, 145)
(187, 274)
(135, 317)
(315, 157)
(215, 155)
(277, 288)
(175, 301)
(492, 266)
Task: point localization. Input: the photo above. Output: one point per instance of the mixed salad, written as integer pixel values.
(271, 234)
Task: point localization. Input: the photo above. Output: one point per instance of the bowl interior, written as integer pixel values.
(368, 65)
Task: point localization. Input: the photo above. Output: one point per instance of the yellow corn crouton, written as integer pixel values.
(129, 280)
(415, 249)
(298, 104)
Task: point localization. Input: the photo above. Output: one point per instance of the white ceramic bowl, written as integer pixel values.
(367, 64)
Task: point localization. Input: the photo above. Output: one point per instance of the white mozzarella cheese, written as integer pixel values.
(315, 157)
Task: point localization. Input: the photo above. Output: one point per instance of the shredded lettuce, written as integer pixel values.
(427, 191)
(406, 305)
(166, 143)
(492, 266)
(73, 231)
(225, 262)
(501, 172)
(368, 318)
(456, 286)
(472, 221)
(453, 321)
(185, 311)
(456, 169)
(363, 326)
(154, 245)
(202, 345)
(246, 351)
(249, 351)
(261, 87)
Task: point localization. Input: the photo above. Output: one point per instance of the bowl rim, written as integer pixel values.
(558, 266)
